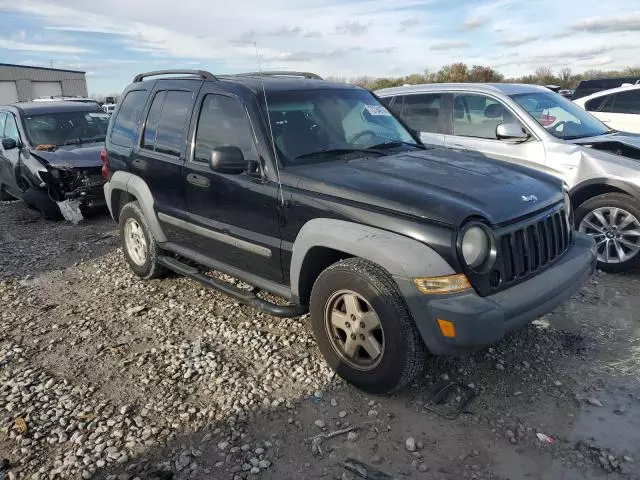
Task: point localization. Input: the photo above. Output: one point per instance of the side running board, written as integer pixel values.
(246, 297)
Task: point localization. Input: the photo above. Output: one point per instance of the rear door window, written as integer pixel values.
(627, 102)
(170, 136)
(151, 125)
(594, 104)
(125, 126)
(422, 112)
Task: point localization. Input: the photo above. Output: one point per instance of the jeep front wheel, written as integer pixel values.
(363, 328)
(140, 248)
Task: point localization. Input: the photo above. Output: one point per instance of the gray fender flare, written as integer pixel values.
(403, 257)
(137, 187)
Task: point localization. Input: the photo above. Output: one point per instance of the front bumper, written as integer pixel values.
(481, 321)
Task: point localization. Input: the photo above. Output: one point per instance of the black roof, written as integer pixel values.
(40, 68)
(36, 108)
(281, 83)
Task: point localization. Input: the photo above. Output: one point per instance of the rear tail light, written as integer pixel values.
(105, 164)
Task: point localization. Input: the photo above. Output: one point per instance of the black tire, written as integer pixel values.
(614, 200)
(150, 268)
(404, 352)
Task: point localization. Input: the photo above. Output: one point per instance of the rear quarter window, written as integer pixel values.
(125, 125)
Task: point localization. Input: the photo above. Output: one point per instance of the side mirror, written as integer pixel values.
(228, 160)
(511, 131)
(9, 144)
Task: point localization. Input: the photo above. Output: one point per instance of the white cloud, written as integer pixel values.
(596, 61)
(628, 22)
(453, 45)
(474, 22)
(10, 44)
(517, 41)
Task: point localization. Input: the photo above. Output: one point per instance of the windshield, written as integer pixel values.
(315, 125)
(67, 128)
(559, 116)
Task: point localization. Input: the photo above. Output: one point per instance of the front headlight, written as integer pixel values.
(475, 246)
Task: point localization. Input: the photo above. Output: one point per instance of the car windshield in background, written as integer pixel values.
(320, 125)
(67, 128)
(561, 117)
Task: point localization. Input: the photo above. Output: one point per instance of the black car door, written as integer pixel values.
(161, 151)
(10, 159)
(234, 217)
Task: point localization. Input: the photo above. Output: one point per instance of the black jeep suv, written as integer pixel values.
(315, 192)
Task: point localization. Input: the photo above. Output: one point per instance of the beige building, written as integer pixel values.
(20, 83)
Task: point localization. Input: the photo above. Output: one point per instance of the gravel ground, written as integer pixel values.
(107, 376)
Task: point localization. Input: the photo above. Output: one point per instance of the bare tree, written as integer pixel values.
(566, 76)
(544, 75)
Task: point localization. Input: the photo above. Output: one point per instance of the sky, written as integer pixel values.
(114, 40)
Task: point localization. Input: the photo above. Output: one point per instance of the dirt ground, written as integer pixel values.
(104, 375)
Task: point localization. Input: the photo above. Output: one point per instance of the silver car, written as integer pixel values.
(534, 126)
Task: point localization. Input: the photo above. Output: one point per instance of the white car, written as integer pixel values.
(618, 108)
(109, 108)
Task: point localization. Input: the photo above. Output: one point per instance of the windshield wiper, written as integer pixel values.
(397, 143)
(340, 151)
(75, 141)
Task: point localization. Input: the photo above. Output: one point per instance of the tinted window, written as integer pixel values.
(67, 128)
(386, 101)
(11, 128)
(422, 111)
(396, 107)
(223, 121)
(151, 125)
(479, 116)
(595, 103)
(627, 102)
(125, 126)
(607, 103)
(170, 137)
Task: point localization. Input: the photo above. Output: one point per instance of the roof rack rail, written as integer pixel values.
(203, 74)
(281, 73)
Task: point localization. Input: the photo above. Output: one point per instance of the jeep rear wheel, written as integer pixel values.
(363, 327)
(139, 246)
(613, 220)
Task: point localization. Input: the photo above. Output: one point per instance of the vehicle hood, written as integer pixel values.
(620, 143)
(72, 156)
(437, 184)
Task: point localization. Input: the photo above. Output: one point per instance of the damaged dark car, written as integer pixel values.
(50, 156)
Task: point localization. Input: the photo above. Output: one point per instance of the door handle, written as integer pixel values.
(198, 180)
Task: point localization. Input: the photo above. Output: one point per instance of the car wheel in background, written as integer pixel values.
(363, 327)
(613, 220)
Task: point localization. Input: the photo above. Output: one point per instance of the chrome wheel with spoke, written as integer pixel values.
(363, 327)
(616, 232)
(613, 220)
(354, 329)
(140, 248)
(135, 241)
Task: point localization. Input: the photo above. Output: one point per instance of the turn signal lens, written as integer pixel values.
(447, 328)
(445, 284)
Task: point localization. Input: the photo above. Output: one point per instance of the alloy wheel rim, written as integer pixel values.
(354, 330)
(616, 232)
(135, 241)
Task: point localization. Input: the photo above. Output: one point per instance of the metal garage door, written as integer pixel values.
(8, 92)
(46, 89)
